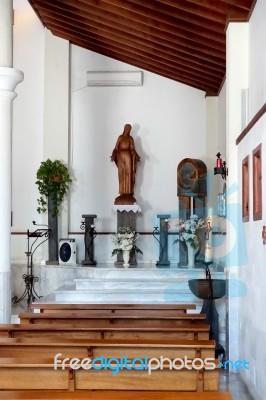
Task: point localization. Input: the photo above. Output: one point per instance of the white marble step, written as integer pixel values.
(132, 284)
(124, 294)
(142, 272)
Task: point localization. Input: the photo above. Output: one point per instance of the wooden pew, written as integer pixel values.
(37, 373)
(140, 309)
(81, 348)
(97, 320)
(111, 395)
(192, 332)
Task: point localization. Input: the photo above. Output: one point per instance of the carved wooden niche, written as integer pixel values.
(245, 189)
(257, 183)
(191, 184)
(191, 178)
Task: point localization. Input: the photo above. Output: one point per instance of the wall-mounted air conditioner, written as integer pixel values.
(114, 78)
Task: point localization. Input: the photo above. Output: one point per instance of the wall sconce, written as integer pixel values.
(220, 167)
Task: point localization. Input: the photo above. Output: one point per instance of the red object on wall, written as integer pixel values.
(219, 161)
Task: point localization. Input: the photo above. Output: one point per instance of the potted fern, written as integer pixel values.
(53, 181)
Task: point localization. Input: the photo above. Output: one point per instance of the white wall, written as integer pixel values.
(257, 65)
(168, 122)
(252, 324)
(27, 122)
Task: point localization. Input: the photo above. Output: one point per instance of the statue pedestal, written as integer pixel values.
(126, 216)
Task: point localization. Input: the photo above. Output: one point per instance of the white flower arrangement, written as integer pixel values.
(188, 230)
(125, 239)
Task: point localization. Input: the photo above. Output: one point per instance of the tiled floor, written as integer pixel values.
(229, 382)
(233, 384)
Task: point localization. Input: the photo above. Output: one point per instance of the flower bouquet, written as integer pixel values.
(188, 231)
(125, 239)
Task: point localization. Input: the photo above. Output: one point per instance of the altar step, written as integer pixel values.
(130, 285)
(124, 293)
(102, 284)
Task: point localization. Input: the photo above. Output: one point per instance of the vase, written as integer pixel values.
(126, 258)
(190, 255)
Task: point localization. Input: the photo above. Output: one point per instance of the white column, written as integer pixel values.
(9, 78)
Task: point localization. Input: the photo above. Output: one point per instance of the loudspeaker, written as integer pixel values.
(67, 252)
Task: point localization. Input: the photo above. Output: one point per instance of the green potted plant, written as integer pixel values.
(53, 182)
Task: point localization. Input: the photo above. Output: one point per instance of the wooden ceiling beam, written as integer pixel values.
(197, 9)
(245, 4)
(95, 26)
(148, 67)
(134, 52)
(229, 11)
(133, 11)
(144, 25)
(73, 35)
(144, 48)
(159, 11)
(167, 51)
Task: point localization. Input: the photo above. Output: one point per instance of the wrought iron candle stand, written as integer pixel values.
(89, 236)
(29, 278)
(163, 261)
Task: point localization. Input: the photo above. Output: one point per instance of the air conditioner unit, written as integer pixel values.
(67, 252)
(114, 78)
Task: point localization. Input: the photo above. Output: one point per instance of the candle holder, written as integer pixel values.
(220, 168)
(89, 236)
(208, 243)
(163, 240)
(29, 278)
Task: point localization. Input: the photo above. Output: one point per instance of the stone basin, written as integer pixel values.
(201, 288)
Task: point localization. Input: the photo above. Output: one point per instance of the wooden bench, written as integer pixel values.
(39, 374)
(111, 395)
(86, 319)
(192, 332)
(141, 309)
(43, 347)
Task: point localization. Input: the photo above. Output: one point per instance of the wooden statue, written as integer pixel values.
(126, 158)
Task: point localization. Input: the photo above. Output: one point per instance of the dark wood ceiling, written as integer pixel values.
(184, 40)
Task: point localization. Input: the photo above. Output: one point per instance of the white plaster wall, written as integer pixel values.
(252, 324)
(257, 64)
(217, 184)
(168, 122)
(222, 121)
(27, 122)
